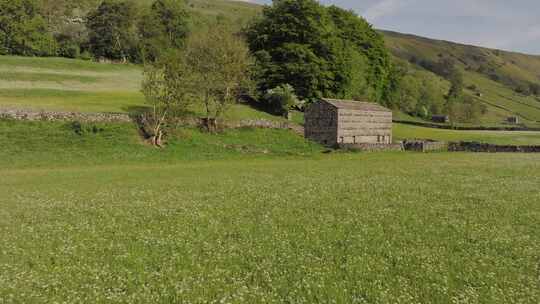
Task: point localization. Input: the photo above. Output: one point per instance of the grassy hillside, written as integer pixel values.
(497, 75)
(42, 144)
(520, 67)
(61, 84)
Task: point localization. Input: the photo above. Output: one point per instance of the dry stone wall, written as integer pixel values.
(425, 145)
(490, 148)
(30, 115)
(372, 147)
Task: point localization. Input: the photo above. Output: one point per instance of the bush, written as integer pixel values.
(84, 129)
(67, 47)
(466, 110)
(282, 99)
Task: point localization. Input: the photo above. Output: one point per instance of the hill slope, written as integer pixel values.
(503, 81)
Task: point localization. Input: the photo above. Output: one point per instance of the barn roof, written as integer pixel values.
(356, 105)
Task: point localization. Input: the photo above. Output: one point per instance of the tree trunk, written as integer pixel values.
(210, 124)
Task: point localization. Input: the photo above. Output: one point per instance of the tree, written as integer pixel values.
(320, 51)
(374, 65)
(282, 99)
(112, 31)
(167, 95)
(218, 62)
(535, 88)
(163, 28)
(22, 29)
(416, 92)
(456, 86)
(290, 45)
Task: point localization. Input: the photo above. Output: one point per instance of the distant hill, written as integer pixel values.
(507, 67)
(504, 81)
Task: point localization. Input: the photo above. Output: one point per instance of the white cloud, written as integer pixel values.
(382, 9)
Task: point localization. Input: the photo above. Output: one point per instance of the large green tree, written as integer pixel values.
(291, 45)
(319, 51)
(113, 32)
(373, 64)
(23, 30)
(164, 27)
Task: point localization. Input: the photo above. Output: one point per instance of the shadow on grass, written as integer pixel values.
(256, 105)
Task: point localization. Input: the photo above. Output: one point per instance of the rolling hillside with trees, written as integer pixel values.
(503, 83)
(341, 57)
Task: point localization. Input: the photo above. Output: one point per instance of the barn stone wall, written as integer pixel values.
(320, 123)
(360, 126)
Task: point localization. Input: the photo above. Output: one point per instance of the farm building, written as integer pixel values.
(333, 122)
(440, 118)
(513, 120)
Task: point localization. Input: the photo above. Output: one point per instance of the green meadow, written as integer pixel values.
(253, 216)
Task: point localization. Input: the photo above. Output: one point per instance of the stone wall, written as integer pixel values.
(425, 145)
(490, 148)
(31, 115)
(370, 147)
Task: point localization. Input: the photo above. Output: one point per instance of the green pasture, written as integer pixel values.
(42, 144)
(246, 227)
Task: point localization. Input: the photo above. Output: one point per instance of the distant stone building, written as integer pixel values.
(333, 122)
(440, 118)
(513, 120)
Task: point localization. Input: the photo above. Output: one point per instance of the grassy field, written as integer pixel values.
(106, 226)
(68, 85)
(38, 144)
(60, 84)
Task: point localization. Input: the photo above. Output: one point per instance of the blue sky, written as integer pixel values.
(505, 24)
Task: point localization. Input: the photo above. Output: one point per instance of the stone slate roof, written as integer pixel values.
(356, 105)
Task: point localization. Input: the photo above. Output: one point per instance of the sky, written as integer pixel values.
(512, 25)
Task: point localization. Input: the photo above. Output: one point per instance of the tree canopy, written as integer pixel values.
(23, 30)
(164, 27)
(112, 31)
(320, 51)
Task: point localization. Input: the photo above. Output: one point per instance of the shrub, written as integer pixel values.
(282, 99)
(82, 129)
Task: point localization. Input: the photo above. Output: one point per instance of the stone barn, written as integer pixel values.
(440, 118)
(513, 120)
(334, 122)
